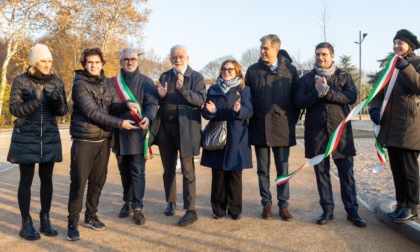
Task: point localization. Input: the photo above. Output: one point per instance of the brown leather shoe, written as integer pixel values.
(285, 214)
(139, 217)
(267, 214)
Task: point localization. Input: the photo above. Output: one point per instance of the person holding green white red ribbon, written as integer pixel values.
(395, 111)
(131, 147)
(325, 93)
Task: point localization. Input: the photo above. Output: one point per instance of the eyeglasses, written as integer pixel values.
(230, 70)
(128, 60)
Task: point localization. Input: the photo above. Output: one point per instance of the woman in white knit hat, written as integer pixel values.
(36, 98)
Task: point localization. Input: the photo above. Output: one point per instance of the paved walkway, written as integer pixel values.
(160, 233)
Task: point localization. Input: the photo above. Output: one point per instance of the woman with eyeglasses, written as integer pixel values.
(36, 98)
(229, 100)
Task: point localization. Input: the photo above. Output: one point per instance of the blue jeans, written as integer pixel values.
(133, 179)
(347, 185)
(281, 160)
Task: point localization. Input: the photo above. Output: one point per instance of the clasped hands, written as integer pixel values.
(130, 124)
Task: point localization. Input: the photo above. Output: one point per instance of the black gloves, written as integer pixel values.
(375, 116)
(401, 63)
(55, 95)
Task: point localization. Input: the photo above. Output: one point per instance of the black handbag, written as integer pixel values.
(214, 136)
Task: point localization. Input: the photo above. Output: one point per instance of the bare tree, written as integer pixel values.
(249, 57)
(211, 70)
(17, 20)
(324, 20)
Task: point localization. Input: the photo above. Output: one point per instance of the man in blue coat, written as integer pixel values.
(129, 145)
(177, 128)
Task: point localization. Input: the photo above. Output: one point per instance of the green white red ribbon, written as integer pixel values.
(336, 135)
(125, 94)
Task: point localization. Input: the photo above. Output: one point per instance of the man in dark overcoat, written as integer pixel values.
(326, 93)
(129, 145)
(177, 129)
(273, 81)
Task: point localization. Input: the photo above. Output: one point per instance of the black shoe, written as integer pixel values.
(189, 218)
(139, 217)
(325, 218)
(400, 207)
(72, 232)
(357, 220)
(126, 210)
(406, 215)
(217, 216)
(46, 226)
(170, 209)
(94, 223)
(236, 216)
(28, 231)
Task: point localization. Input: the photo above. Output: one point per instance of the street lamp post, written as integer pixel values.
(361, 38)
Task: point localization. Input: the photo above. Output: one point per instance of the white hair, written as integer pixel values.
(128, 50)
(173, 48)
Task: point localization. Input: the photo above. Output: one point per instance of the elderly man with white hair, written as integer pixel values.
(177, 129)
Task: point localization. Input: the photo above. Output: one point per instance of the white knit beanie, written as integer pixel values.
(39, 52)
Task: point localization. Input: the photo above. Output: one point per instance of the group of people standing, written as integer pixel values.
(261, 108)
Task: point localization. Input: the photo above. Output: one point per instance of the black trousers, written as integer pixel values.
(226, 192)
(89, 164)
(347, 184)
(27, 172)
(405, 171)
(133, 179)
(169, 143)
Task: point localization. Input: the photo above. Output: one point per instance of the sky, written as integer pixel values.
(215, 28)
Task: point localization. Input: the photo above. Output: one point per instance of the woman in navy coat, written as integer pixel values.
(227, 164)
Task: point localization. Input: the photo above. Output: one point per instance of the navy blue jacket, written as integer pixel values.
(237, 153)
(273, 93)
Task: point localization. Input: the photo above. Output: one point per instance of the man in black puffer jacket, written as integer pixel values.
(91, 129)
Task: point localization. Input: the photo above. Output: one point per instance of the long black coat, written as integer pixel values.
(323, 115)
(400, 125)
(131, 142)
(191, 98)
(35, 137)
(275, 115)
(237, 153)
(94, 101)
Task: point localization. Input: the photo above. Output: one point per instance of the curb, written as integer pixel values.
(409, 229)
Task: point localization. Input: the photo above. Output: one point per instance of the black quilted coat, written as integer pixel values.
(94, 102)
(35, 137)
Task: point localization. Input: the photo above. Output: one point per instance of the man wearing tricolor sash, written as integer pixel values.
(396, 110)
(326, 93)
(131, 147)
(177, 129)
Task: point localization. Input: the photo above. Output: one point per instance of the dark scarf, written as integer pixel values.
(39, 77)
(131, 78)
(94, 78)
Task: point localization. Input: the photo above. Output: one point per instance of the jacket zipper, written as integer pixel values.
(42, 121)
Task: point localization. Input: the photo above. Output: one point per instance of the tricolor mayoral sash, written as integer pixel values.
(125, 94)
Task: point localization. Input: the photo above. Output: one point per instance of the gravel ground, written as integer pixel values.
(372, 188)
